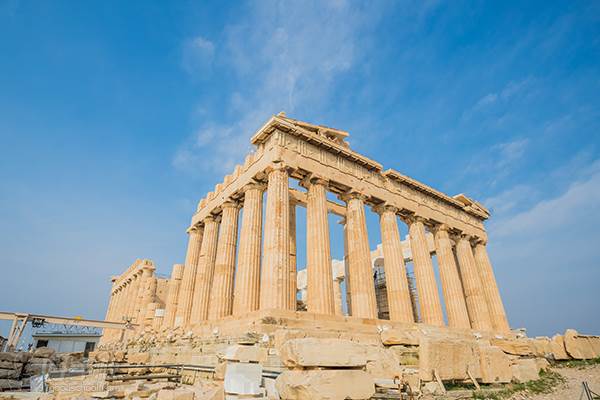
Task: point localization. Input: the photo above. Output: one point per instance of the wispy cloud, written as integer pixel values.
(198, 55)
(284, 56)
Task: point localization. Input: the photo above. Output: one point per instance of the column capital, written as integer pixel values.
(209, 218)
(437, 227)
(230, 204)
(352, 195)
(412, 218)
(277, 166)
(254, 185)
(381, 208)
(476, 240)
(193, 229)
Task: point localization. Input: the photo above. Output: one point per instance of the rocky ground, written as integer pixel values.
(572, 387)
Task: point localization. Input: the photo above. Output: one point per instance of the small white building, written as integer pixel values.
(67, 342)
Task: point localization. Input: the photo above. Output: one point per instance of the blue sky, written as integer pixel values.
(116, 117)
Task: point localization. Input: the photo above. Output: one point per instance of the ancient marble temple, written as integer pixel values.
(226, 275)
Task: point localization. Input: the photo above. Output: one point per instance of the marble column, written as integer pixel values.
(293, 279)
(474, 297)
(490, 288)
(188, 281)
(275, 282)
(247, 279)
(456, 309)
(139, 294)
(360, 273)
(173, 295)
(110, 311)
(337, 295)
(135, 286)
(149, 282)
(429, 299)
(320, 298)
(118, 316)
(398, 293)
(205, 272)
(221, 299)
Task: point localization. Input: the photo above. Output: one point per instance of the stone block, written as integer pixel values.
(542, 364)
(271, 389)
(9, 374)
(19, 356)
(325, 384)
(102, 356)
(382, 363)
(450, 357)
(517, 347)
(311, 352)
(524, 370)
(557, 346)
(177, 394)
(138, 358)
(495, 365)
(11, 365)
(43, 352)
(244, 353)
(542, 346)
(399, 337)
(37, 366)
(10, 384)
(243, 378)
(579, 346)
(407, 355)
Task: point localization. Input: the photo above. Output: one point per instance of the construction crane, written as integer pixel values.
(20, 320)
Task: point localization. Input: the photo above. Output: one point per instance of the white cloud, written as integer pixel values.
(198, 55)
(510, 152)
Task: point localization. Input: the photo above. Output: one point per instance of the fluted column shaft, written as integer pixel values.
(398, 293)
(456, 309)
(173, 295)
(135, 285)
(149, 282)
(139, 294)
(490, 289)
(337, 295)
(293, 279)
(344, 223)
(364, 304)
(318, 253)
(275, 282)
(221, 302)
(429, 299)
(474, 297)
(118, 316)
(188, 281)
(205, 272)
(247, 278)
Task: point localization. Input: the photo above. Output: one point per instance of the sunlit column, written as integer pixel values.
(173, 296)
(275, 276)
(360, 273)
(398, 293)
(429, 299)
(188, 281)
(476, 304)
(293, 290)
(456, 309)
(221, 301)
(490, 288)
(247, 278)
(205, 271)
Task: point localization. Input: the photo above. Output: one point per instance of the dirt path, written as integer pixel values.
(572, 388)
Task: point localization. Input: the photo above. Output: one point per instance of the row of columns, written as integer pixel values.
(208, 291)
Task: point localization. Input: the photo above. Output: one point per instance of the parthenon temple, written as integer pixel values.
(213, 284)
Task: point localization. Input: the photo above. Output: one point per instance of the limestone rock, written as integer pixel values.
(542, 346)
(9, 374)
(10, 384)
(138, 358)
(399, 336)
(578, 346)
(495, 365)
(382, 363)
(11, 365)
(43, 352)
(311, 352)
(557, 346)
(450, 357)
(20, 356)
(325, 384)
(517, 347)
(177, 394)
(524, 370)
(37, 366)
(244, 353)
(542, 364)
(243, 378)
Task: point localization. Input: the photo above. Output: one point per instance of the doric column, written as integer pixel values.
(344, 223)
(275, 282)
(337, 295)
(188, 281)
(149, 282)
(360, 273)
(490, 288)
(429, 299)
(118, 316)
(110, 311)
(456, 309)
(205, 272)
(221, 300)
(318, 253)
(247, 278)
(475, 299)
(173, 296)
(293, 279)
(135, 286)
(398, 293)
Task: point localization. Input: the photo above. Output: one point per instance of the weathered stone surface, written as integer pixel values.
(177, 394)
(20, 356)
(9, 374)
(517, 347)
(310, 352)
(382, 363)
(101, 356)
(495, 365)
(243, 378)
(325, 384)
(579, 346)
(407, 355)
(244, 353)
(557, 346)
(542, 364)
(399, 336)
(524, 370)
(10, 384)
(450, 357)
(542, 346)
(36, 366)
(43, 352)
(11, 365)
(138, 358)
